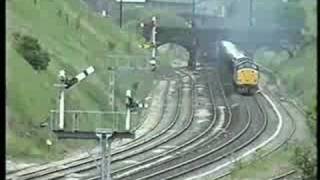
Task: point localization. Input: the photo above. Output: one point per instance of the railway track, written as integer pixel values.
(57, 173)
(32, 169)
(98, 177)
(25, 172)
(201, 150)
(208, 155)
(157, 175)
(277, 146)
(159, 156)
(192, 142)
(285, 175)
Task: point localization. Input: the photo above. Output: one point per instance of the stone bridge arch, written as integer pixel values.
(205, 38)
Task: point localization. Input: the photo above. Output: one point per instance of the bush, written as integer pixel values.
(31, 51)
(78, 23)
(304, 159)
(111, 45)
(128, 47)
(135, 86)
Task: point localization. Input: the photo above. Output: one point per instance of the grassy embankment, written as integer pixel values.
(30, 94)
(298, 77)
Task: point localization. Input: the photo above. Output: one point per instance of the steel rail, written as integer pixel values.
(88, 159)
(211, 160)
(283, 175)
(189, 122)
(279, 145)
(210, 152)
(228, 122)
(208, 130)
(66, 168)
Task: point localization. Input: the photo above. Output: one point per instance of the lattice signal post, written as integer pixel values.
(104, 135)
(153, 42)
(153, 61)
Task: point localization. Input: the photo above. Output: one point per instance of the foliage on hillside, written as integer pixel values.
(305, 160)
(298, 74)
(75, 38)
(32, 52)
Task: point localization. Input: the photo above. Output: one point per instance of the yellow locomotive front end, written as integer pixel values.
(247, 77)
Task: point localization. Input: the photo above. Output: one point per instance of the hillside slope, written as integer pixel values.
(31, 94)
(299, 73)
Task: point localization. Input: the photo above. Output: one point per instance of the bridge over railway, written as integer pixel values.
(213, 20)
(205, 25)
(204, 35)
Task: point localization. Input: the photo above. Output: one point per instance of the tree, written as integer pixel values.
(59, 13)
(67, 18)
(305, 161)
(128, 47)
(78, 22)
(135, 86)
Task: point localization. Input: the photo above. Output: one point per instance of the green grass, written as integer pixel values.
(274, 164)
(297, 74)
(265, 168)
(31, 95)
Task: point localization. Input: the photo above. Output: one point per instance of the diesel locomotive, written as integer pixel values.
(245, 70)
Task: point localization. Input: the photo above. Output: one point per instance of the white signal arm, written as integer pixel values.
(80, 77)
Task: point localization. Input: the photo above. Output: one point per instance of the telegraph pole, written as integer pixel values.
(250, 13)
(154, 32)
(104, 136)
(191, 63)
(120, 14)
(111, 90)
(103, 143)
(193, 9)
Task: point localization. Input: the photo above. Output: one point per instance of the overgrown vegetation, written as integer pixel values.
(304, 159)
(31, 51)
(292, 156)
(75, 38)
(298, 71)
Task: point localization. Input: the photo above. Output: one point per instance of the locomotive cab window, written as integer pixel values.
(247, 65)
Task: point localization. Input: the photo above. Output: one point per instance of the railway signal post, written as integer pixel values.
(120, 19)
(112, 81)
(153, 61)
(250, 13)
(191, 62)
(103, 135)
